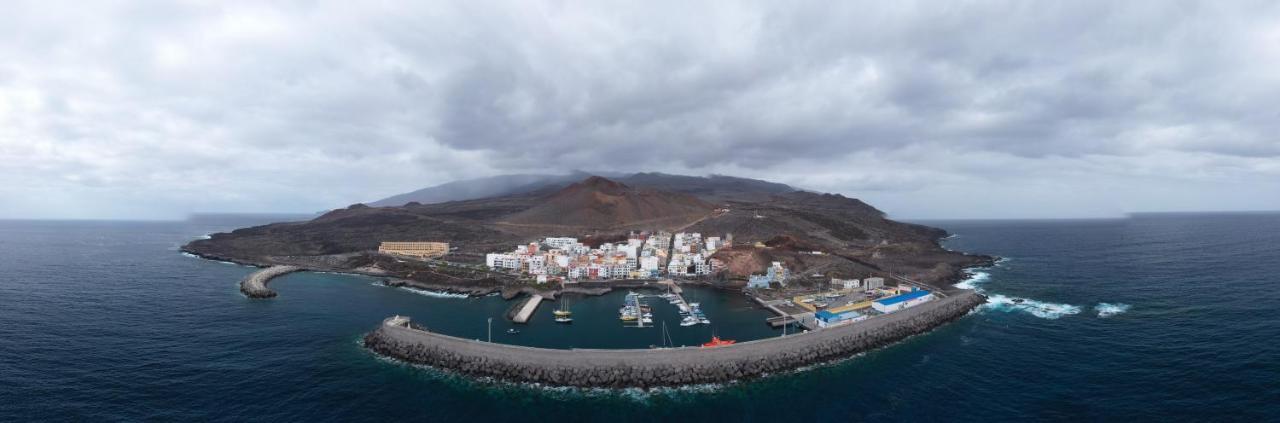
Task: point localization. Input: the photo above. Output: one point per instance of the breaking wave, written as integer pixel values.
(1001, 302)
(184, 253)
(1106, 310)
(1039, 309)
(974, 281)
(434, 294)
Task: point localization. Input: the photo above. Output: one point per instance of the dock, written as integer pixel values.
(671, 284)
(804, 319)
(527, 310)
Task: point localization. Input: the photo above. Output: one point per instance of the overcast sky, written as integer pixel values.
(935, 110)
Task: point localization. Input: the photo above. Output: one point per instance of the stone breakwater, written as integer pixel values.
(255, 285)
(397, 337)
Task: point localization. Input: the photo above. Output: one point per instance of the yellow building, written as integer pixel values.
(416, 249)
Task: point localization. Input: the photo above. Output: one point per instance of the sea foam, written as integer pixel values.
(1039, 309)
(1106, 310)
(974, 281)
(434, 294)
(1000, 302)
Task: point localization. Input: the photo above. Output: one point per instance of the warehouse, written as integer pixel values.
(899, 302)
(828, 319)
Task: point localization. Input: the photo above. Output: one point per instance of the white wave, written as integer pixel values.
(1106, 310)
(1036, 308)
(1002, 261)
(206, 259)
(434, 294)
(974, 281)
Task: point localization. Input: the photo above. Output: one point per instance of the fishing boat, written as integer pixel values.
(717, 342)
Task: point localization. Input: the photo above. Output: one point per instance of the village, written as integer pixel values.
(645, 256)
(641, 256)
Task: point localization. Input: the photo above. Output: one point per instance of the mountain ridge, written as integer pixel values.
(710, 187)
(827, 234)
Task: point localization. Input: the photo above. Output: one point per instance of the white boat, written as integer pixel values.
(688, 321)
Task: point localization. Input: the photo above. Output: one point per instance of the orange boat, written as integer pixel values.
(717, 342)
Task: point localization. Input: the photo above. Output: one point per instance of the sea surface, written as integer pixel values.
(1155, 317)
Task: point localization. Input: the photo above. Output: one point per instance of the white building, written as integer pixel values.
(846, 283)
(873, 283)
(649, 263)
(899, 302)
(563, 243)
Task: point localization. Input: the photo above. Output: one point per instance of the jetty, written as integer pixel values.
(397, 337)
(255, 285)
(527, 310)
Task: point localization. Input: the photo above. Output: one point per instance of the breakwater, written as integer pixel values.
(255, 285)
(397, 337)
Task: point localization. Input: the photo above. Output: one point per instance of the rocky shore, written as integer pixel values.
(397, 337)
(255, 285)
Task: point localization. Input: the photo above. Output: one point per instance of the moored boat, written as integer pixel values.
(717, 342)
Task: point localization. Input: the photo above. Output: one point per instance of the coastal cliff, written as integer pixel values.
(399, 338)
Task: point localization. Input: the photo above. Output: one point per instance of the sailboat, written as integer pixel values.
(563, 315)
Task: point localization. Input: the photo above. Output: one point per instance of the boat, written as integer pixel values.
(717, 342)
(512, 331)
(563, 315)
(688, 321)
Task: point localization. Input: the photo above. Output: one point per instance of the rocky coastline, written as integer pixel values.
(399, 338)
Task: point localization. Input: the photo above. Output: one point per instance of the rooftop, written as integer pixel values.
(904, 297)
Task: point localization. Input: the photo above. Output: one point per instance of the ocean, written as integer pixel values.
(1156, 317)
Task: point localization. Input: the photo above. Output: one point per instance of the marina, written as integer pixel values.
(636, 312)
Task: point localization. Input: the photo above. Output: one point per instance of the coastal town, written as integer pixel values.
(661, 258)
(641, 256)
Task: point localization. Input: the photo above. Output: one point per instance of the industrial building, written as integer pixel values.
(827, 318)
(899, 302)
(415, 249)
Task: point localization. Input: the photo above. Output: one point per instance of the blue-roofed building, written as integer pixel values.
(827, 319)
(899, 302)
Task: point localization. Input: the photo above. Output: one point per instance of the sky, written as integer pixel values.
(153, 110)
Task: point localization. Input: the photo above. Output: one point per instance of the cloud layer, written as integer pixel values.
(986, 109)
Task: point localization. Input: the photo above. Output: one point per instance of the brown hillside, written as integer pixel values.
(598, 202)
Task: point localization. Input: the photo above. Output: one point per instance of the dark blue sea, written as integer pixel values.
(1154, 317)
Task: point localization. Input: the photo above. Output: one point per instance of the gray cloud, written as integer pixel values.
(156, 109)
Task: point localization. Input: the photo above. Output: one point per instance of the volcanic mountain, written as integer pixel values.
(599, 203)
(827, 235)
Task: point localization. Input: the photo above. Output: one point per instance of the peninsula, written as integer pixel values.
(815, 236)
(833, 266)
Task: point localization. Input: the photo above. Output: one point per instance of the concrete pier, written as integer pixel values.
(255, 285)
(645, 368)
(527, 310)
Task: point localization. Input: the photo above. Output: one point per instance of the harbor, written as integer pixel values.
(714, 362)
